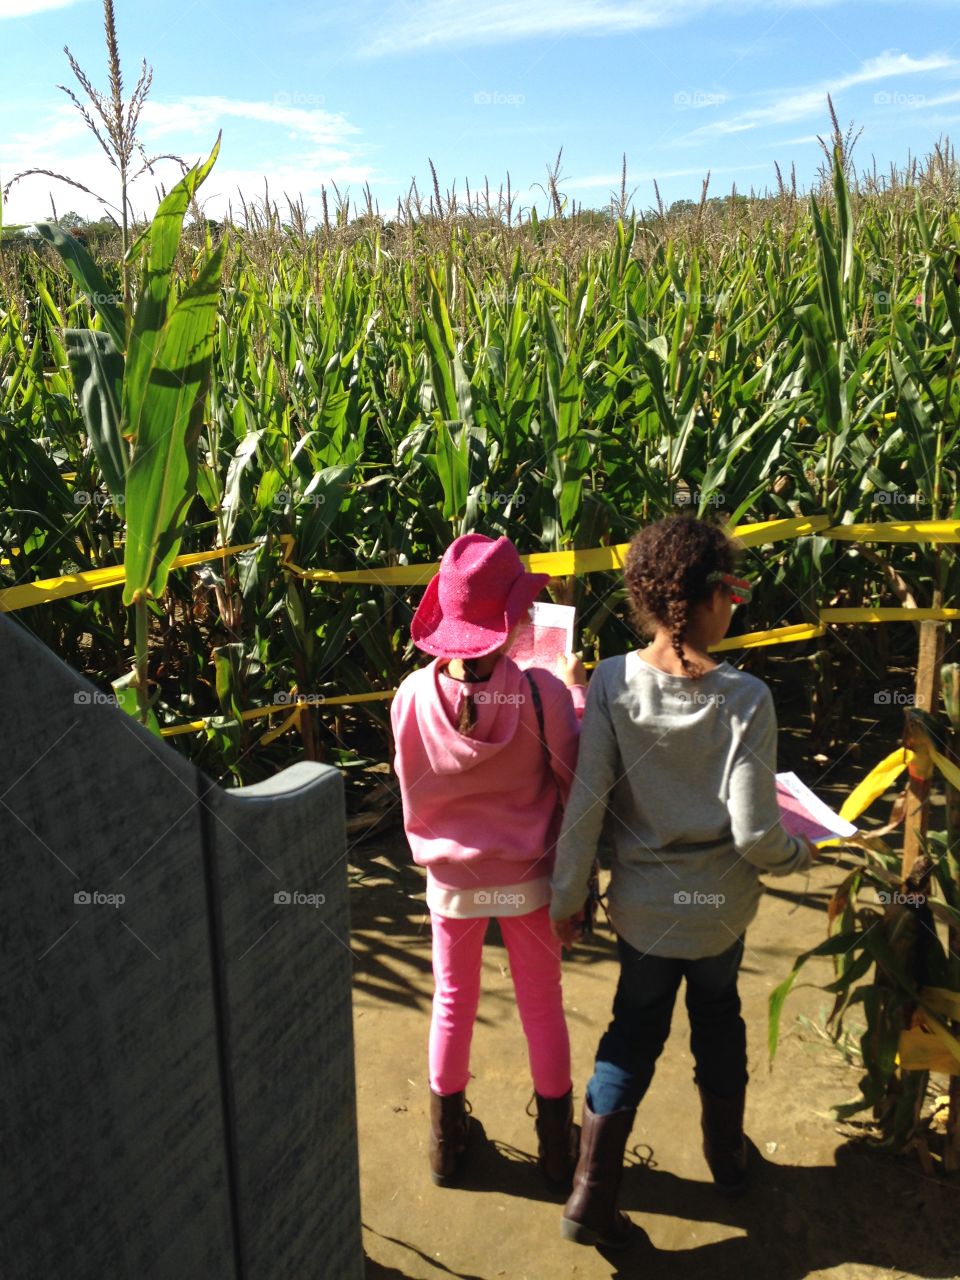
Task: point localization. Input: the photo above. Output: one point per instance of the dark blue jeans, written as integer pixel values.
(642, 1010)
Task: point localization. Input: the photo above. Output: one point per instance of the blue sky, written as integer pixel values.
(367, 91)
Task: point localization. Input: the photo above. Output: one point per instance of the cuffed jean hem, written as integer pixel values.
(642, 1014)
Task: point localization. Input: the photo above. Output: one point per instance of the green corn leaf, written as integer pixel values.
(97, 368)
(828, 273)
(323, 498)
(453, 468)
(777, 996)
(158, 294)
(844, 222)
(161, 480)
(443, 380)
(823, 369)
(837, 944)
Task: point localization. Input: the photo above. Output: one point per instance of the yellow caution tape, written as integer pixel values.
(880, 779)
(776, 635)
(556, 563)
(46, 589)
(597, 559)
(562, 563)
(71, 584)
(257, 713)
(755, 535)
(293, 719)
(897, 531)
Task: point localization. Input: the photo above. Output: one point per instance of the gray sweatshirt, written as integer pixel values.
(679, 775)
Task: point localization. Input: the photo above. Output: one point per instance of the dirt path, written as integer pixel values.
(819, 1206)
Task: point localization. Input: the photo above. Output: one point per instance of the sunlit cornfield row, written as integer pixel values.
(377, 388)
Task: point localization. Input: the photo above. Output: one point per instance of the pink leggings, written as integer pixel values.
(534, 955)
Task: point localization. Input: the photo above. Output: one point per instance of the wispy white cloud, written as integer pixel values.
(802, 141)
(206, 114)
(431, 24)
(24, 8)
(61, 127)
(803, 103)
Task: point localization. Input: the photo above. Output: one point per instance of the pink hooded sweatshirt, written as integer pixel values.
(479, 810)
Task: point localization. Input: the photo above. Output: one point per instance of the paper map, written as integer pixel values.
(539, 643)
(804, 814)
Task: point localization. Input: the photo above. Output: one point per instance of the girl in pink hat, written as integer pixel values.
(485, 755)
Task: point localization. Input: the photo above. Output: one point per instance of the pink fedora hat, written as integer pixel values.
(481, 592)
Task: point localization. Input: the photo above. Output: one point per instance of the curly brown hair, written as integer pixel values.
(666, 572)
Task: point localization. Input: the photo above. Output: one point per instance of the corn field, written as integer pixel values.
(376, 388)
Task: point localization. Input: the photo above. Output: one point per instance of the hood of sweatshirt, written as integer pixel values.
(497, 700)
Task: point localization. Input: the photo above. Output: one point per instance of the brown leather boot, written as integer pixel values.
(559, 1139)
(724, 1142)
(590, 1215)
(449, 1134)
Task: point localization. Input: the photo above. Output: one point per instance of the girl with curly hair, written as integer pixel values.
(678, 755)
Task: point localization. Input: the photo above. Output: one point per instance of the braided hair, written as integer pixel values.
(468, 708)
(666, 572)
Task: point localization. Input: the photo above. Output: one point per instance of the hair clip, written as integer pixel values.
(740, 591)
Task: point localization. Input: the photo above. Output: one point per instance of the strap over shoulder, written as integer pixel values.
(538, 708)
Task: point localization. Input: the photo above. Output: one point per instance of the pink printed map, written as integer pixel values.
(804, 814)
(541, 642)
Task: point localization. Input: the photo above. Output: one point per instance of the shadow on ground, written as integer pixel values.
(795, 1221)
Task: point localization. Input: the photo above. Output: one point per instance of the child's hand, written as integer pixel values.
(568, 931)
(570, 669)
